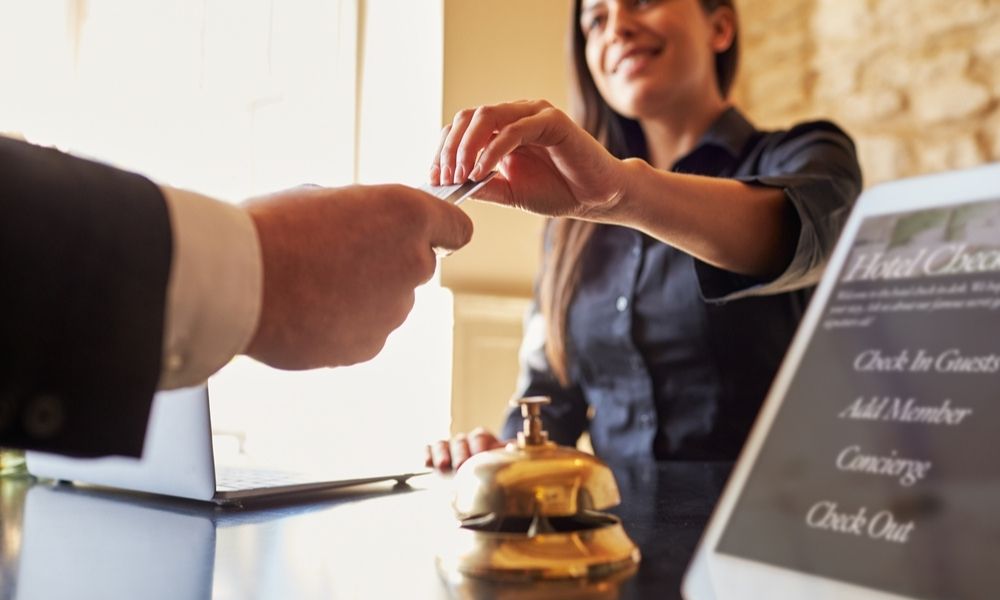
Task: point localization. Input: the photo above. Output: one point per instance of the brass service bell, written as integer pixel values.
(530, 512)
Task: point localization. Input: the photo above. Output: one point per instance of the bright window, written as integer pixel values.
(235, 98)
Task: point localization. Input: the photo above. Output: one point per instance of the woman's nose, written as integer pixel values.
(621, 21)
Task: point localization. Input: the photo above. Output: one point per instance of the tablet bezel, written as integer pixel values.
(715, 576)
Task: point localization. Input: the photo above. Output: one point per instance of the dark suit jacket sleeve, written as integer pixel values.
(84, 261)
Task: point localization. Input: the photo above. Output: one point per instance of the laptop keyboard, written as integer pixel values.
(232, 479)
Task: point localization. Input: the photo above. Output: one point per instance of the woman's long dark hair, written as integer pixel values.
(622, 137)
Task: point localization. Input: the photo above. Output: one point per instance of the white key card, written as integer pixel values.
(457, 193)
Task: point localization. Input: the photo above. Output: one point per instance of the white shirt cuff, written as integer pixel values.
(214, 291)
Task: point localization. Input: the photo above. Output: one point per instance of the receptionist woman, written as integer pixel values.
(684, 242)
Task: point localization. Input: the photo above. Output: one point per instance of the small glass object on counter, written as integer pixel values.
(12, 463)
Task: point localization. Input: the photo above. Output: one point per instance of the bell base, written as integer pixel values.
(461, 587)
(513, 557)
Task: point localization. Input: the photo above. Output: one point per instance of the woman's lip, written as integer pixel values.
(633, 62)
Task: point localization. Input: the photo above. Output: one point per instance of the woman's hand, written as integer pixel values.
(445, 455)
(547, 164)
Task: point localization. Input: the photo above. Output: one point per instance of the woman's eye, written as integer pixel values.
(593, 23)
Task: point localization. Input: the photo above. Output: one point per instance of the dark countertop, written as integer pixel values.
(371, 542)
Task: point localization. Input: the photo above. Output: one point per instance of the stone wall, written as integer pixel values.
(915, 82)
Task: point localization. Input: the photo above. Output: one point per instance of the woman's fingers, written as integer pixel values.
(459, 451)
(486, 121)
(450, 171)
(440, 455)
(540, 128)
(461, 156)
(471, 130)
(481, 440)
(435, 174)
(445, 455)
(493, 122)
(547, 164)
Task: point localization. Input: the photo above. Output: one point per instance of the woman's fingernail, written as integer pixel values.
(476, 173)
(445, 175)
(460, 174)
(435, 172)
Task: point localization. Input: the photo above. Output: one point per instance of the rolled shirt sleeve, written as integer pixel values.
(816, 166)
(214, 290)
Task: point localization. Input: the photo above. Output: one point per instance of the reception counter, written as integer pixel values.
(376, 541)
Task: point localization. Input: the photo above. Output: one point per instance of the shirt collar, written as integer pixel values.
(730, 131)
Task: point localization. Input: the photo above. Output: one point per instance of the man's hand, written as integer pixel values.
(340, 267)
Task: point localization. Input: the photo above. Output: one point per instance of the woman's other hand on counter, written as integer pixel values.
(446, 455)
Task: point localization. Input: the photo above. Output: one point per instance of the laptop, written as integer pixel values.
(179, 460)
(871, 471)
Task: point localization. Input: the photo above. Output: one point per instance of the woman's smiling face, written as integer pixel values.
(648, 56)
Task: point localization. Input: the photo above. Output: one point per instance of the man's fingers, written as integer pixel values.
(450, 228)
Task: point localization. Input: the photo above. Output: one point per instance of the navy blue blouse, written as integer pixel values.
(670, 357)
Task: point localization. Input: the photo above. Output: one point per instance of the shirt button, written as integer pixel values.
(647, 418)
(621, 304)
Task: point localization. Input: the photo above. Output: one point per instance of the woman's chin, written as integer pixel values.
(638, 106)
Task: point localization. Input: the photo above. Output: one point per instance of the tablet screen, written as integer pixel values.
(881, 467)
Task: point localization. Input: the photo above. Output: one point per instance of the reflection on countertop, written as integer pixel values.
(376, 541)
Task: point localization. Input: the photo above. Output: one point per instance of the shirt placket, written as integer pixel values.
(632, 383)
